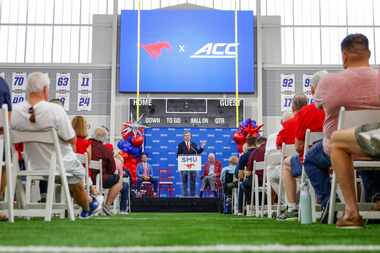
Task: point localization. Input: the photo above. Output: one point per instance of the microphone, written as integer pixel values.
(196, 152)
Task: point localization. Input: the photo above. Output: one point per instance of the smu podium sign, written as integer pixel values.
(189, 163)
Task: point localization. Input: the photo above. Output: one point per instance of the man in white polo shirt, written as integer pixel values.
(38, 114)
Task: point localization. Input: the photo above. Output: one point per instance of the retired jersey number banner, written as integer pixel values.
(85, 82)
(187, 51)
(19, 81)
(189, 163)
(18, 97)
(62, 82)
(288, 83)
(65, 100)
(306, 80)
(84, 102)
(286, 102)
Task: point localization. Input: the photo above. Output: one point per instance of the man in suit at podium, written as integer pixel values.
(187, 147)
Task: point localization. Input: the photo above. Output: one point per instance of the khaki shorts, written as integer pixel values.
(365, 138)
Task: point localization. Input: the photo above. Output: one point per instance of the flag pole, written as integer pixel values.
(138, 59)
(236, 66)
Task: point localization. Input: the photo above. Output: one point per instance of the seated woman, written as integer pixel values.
(211, 173)
(81, 142)
(227, 176)
(145, 173)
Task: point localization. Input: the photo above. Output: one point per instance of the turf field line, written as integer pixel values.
(210, 248)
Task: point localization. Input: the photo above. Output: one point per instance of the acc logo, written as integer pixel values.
(217, 50)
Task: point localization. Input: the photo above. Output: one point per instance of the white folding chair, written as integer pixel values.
(350, 119)
(310, 139)
(56, 169)
(286, 150)
(256, 188)
(96, 165)
(272, 159)
(235, 197)
(6, 148)
(83, 158)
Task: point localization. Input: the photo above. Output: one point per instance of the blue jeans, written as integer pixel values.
(246, 189)
(371, 185)
(124, 197)
(317, 164)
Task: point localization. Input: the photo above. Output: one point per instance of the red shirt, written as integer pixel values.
(288, 132)
(309, 117)
(81, 145)
(99, 151)
(258, 155)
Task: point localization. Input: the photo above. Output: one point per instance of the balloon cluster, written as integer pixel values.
(246, 127)
(131, 145)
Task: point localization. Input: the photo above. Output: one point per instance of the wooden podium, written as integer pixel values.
(189, 163)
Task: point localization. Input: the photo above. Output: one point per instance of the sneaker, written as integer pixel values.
(84, 215)
(124, 213)
(351, 223)
(96, 205)
(107, 210)
(292, 215)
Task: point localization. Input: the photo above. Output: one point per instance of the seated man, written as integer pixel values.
(145, 173)
(354, 88)
(110, 180)
(246, 186)
(309, 117)
(274, 170)
(37, 114)
(288, 131)
(344, 145)
(5, 98)
(211, 173)
(348, 143)
(287, 135)
(227, 175)
(250, 146)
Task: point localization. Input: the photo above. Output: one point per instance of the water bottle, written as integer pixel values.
(305, 205)
(227, 205)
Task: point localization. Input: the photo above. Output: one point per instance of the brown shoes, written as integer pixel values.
(376, 207)
(350, 223)
(3, 217)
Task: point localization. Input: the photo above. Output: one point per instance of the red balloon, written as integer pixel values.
(239, 137)
(239, 148)
(137, 141)
(126, 135)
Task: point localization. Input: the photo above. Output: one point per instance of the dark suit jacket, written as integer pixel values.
(194, 150)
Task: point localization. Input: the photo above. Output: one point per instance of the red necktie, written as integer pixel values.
(188, 146)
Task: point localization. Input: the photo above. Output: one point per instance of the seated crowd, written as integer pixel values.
(357, 87)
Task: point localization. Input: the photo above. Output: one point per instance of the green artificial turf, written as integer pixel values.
(148, 229)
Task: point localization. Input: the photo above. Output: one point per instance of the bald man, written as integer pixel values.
(111, 181)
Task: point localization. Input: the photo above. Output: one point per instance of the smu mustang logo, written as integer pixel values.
(154, 50)
(217, 50)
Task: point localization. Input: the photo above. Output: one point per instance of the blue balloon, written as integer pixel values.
(135, 151)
